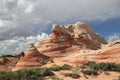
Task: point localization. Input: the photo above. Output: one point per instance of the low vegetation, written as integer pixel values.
(90, 72)
(88, 69)
(26, 74)
(33, 73)
(58, 68)
(72, 75)
(102, 66)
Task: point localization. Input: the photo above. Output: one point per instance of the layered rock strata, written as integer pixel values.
(64, 39)
(32, 58)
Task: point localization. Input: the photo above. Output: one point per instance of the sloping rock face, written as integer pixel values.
(108, 53)
(65, 39)
(32, 58)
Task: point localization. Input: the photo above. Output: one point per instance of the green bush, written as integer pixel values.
(109, 67)
(55, 68)
(26, 74)
(103, 66)
(75, 76)
(83, 66)
(58, 68)
(66, 67)
(6, 75)
(92, 65)
(118, 67)
(90, 72)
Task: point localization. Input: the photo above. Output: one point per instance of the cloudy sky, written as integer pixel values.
(26, 21)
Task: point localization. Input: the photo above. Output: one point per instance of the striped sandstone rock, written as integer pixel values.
(70, 38)
(32, 58)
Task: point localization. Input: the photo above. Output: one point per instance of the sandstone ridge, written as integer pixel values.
(72, 37)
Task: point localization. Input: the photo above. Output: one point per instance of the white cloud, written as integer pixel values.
(28, 17)
(114, 37)
(18, 44)
(1, 23)
(29, 8)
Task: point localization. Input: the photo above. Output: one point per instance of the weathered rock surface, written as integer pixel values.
(32, 58)
(108, 53)
(70, 38)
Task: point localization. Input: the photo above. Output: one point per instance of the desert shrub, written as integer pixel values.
(6, 75)
(89, 72)
(39, 71)
(107, 66)
(66, 67)
(83, 66)
(26, 74)
(58, 68)
(55, 68)
(72, 75)
(76, 70)
(118, 67)
(92, 65)
(103, 66)
(33, 77)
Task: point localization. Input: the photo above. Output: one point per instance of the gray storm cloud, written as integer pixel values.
(28, 18)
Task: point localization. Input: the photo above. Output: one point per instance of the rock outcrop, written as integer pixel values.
(64, 39)
(108, 53)
(32, 58)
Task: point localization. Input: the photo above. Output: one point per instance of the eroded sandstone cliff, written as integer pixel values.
(64, 39)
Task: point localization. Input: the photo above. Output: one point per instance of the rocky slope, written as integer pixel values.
(71, 44)
(32, 58)
(70, 38)
(108, 53)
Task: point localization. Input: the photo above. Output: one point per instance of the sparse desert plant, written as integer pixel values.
(92, 65)
(76, 70)
(103, 66)
(117, 67)
(66, 67)
(26, 74)
(55, 68)
(83, 66)
(58, 68)
(89, 72)
(72, 75)
(75, 73)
